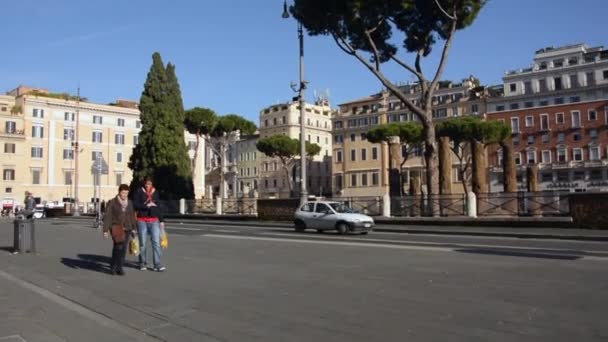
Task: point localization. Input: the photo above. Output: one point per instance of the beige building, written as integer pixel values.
(285, 119)
(248, 166)
(39, 153)
(360, 168)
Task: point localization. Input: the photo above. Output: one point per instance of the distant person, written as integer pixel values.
(149, 222)
(119, 221)
(29, 204)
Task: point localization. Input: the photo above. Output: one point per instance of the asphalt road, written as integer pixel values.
(252, 283)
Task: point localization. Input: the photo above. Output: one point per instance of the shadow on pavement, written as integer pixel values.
(8, 249)
(93, 262)
(523, 254)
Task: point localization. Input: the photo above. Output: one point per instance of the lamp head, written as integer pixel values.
(285, 11)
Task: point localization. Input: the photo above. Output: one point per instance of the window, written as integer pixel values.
(8, 174)
(530, 139)
(374, 153)
(559, 118)
(592, 115)
(97, 137)
(605, 74)
(531, 157)
(561, 137)
(574, 99)
(118, 178)
(529, 121)
(593, 133)
(595, 174)
(528, 104)
(594, 153)
(36, 152)
(546, 157)
(515, 125)
(363, 136)
(9, 148)
(338, 139)
(500, 108)
(119, 139)
(563, 176)
(308, 207)
(514, 106)
(274, 183)
(353, 180)
(352, 137)
(137, 124)
(120, 123)
(274, 121)
(135, 139)
(544, 122)
(375, 179)
(561, 155)
(543, 103)
(35, 176)
(475, 108)
(558, 100)
(373, 120)
(10, 127)
(68, 116)
(318, 139)
(542, 85)
(590, 78)
(353, 155)
(68, 154)
(545, 138)
(517, 158)
(338, 156)
(339, 184)
(576, 136)
(68, 134)
(284, 120)
(516, 140)
(38, 113)
(363, 154)
(513, 87)
(38, 132)
(576, 119)
(577, 154)
(67, 177)
(119, 158)
(97, 119)
(546, 177)
(338, 124)
(95, 155)
(557, 81)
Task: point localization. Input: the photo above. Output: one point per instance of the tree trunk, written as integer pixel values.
(445, 166)
(395, 161)
(416, 199)
(198, 138)
(509, 168)
(289, 185)
(480, 178)
(534, 204)
(432, 171)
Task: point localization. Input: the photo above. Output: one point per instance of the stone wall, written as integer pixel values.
(277, 209)
(589, 210)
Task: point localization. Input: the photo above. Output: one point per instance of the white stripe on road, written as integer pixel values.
(336, 243)
(456, 245)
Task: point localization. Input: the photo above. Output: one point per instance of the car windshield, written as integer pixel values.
(342, 208)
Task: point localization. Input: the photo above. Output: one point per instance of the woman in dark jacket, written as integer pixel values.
(119, 221)
(149, 222)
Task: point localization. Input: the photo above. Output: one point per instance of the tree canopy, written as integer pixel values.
(231, 123)
(408, 133)
(200, 121)
(161, 152)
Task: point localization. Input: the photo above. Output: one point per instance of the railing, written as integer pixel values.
(239, 206)
(549, 203)
(438, 205)
(371, 206)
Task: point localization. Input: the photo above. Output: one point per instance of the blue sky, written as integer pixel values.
(238, 56)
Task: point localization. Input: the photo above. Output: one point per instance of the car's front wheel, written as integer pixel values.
(300, 226)
(342, 228)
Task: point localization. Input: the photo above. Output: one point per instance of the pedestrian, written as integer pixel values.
(119, 221)
(30, 205)
(149, 223)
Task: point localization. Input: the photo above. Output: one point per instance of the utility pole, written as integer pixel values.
(76, 209)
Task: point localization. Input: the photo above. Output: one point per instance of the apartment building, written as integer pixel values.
(558, 113)
(361, 168)
(248, 166)
(285, 119)
(39, 146)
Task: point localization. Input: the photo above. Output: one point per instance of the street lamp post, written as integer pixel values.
(301, 91)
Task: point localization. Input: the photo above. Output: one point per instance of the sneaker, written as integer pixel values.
(160, 269)
(143, 268)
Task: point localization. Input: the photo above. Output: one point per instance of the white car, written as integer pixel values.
(322, 215)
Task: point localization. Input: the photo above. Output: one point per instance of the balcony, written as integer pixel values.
(16, 133)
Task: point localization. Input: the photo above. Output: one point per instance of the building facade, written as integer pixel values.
(247, 161)
(59, 148)
(558, 113)
(284, 119)
(361, 168)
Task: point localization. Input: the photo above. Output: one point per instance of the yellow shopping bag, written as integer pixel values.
(134, 247)
(164, 240)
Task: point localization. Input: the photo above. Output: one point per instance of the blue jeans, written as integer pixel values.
(153, 229)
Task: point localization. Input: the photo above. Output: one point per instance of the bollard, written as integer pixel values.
(472, 209)
(24, 236)
(182, 206)
(386, 205)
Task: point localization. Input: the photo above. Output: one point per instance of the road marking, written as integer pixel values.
(335, 243)
(226, 231)
(453, 245)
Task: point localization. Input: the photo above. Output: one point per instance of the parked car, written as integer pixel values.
(323, 215)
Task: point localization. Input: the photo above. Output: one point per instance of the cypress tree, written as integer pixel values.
(161, 152)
